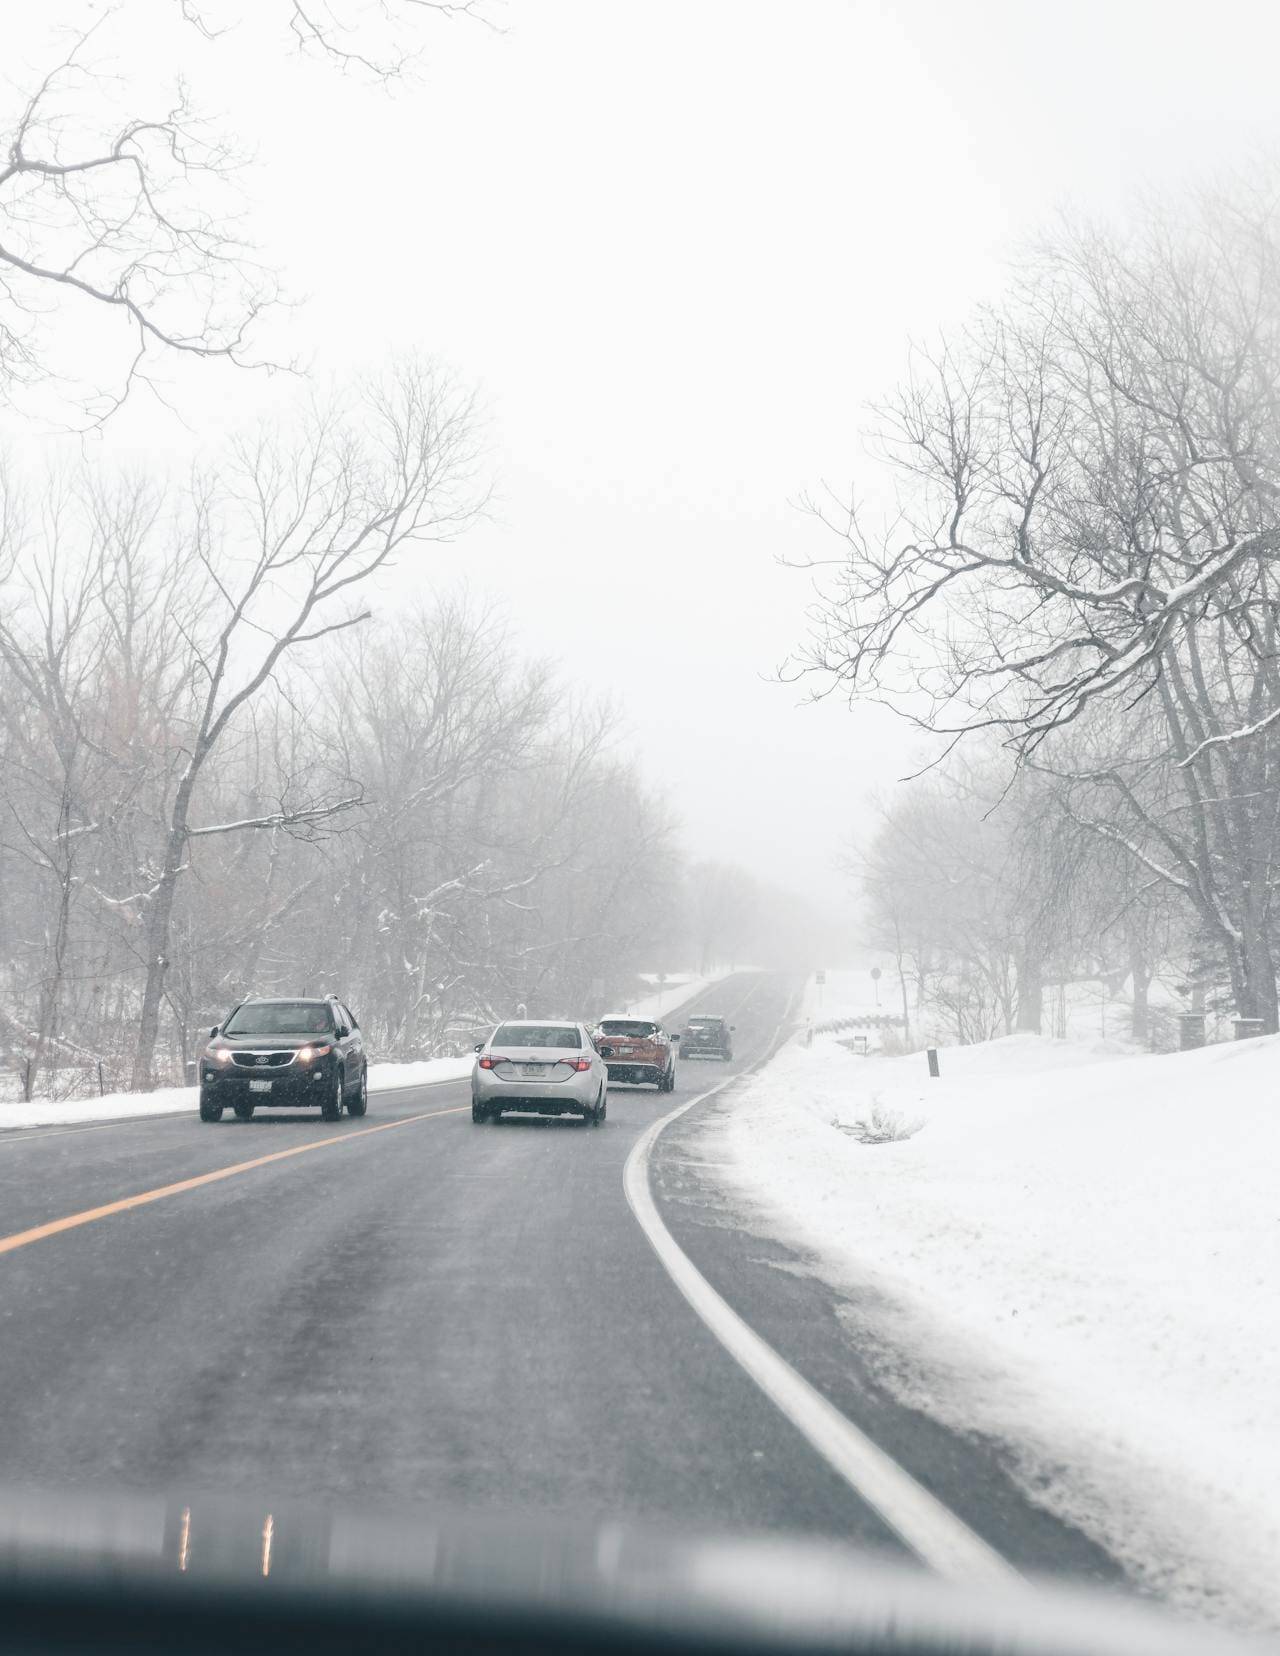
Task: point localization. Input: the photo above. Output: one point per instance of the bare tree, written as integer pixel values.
(131, 215)
(280, 540)
(1091, 519)
(383, 41)
(121, 221)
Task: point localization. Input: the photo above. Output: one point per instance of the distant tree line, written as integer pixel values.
(220, 775)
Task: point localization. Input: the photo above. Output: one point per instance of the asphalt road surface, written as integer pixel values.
(415, 1308)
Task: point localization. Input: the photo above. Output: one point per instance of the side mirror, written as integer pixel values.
(343, 1032)
(479, 1046)
(605, 1051)
(675, 1035)
(214, 1030)
(732, 1028)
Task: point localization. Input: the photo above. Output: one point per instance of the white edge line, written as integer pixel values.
(931, 1530)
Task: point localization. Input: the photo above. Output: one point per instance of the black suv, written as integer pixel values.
(285, 1052)
(707, 1037)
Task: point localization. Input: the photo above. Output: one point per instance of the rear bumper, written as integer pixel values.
(635, 1075)
(577, 1093)
(687, 1051)
(542, 1106)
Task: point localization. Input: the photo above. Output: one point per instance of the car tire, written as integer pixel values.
(209, 1111)
(331, 1109)
(602, 1109)
(359, 1105)
(244, 1110)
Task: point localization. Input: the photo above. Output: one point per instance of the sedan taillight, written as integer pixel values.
(581, 1064)
(487, 1061)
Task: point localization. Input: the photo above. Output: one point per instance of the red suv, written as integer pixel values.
(637, 1051)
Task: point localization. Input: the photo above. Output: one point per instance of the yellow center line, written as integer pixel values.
(55, 1227)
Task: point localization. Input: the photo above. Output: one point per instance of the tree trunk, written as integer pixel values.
(1030, 992)
(51, 988)
(158, 927)
(902, 985)
(1256, 980)
(1141, 974)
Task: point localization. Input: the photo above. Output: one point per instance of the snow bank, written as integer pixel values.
(45, 1112)
(424, 1073)
(63, 1112)
(849, 994)
(1083, 1009)
(1077, 1253)
(676, 991)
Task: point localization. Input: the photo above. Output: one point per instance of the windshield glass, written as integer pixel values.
(536, 1035)
(764, 513)
(280, 1018)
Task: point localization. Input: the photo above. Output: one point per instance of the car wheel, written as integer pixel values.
(331, 1109)
(359, 1105)
(603, 1107)
(209, 1111)
(244, 1110)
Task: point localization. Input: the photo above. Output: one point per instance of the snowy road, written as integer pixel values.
(412, 1307)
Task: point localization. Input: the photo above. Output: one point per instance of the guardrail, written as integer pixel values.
(864, 1020)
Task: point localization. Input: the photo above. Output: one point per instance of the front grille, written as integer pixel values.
(261, 1060)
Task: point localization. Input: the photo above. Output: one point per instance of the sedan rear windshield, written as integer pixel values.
(280, 1018)
(627, 1026)
(706, 1023)
(536, 1035)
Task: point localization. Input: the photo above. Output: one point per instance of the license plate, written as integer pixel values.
(625, 1052)
(259, 1086)
(534, 1070)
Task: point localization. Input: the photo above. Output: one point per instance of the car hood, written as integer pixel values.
(200, 1556)
(269, 1043)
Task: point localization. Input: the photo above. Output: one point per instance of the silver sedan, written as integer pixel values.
(542, 1066)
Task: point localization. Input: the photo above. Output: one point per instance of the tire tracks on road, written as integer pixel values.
(935, 1534)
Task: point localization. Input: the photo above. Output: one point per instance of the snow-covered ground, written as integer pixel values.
(676, 991)
(1078, 1253)
(65, 1112)
(1087, 1009)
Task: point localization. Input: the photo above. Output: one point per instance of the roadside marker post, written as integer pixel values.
(931, 1053)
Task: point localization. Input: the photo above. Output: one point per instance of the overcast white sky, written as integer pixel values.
(679, 245)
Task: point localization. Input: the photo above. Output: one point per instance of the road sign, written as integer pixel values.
(819, 977)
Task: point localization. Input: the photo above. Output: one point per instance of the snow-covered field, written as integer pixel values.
(181, 1100)
(676, 991)
(1078, 1252)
